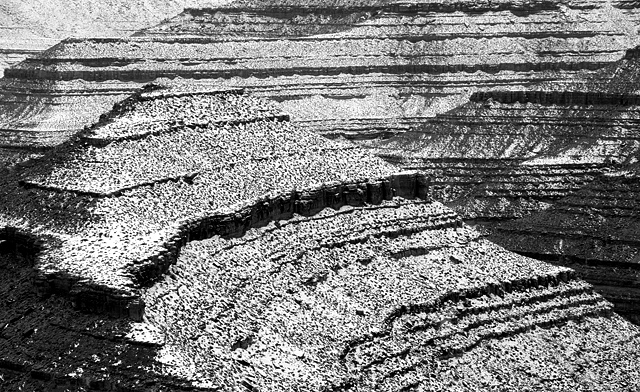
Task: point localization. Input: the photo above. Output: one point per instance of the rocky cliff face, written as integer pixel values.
(594, 231)
(538, 151)
(29, 27)
(378, 68)
(508, 156)
(12, 56)
(196, 240)
(95, 187)
(177, 211)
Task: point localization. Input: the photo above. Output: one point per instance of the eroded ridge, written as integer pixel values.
(503, 161)
(153, 113)
(365, 298)
(511, 152)
(586, 132)
(419, 338)
(386, 296)
(119, 212)
(362, 71)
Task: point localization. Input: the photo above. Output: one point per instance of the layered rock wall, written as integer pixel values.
(594, 231)
(90, 297)
(382, 67)
(558, 97)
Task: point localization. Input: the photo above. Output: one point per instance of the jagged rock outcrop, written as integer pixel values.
(553, 151)
(360, 70)
(240, 252)
(194, 238)
(338, 301)
(193, 151)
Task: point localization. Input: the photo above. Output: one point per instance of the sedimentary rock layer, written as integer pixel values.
(240, 252)
(508, 153)
(360, 298)
(164, 168)
(370, 297)
(594, 230)
(377, 68)
(30, 26)
(492, 159)
(514, 153)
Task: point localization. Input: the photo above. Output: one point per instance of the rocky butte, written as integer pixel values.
(302, 196)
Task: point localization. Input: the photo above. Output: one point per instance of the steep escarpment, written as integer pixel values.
(360, 70)
(368, 297)
(493, 160)
(124, 196)
(509, 153)
(12, 53)
(338, 301)
(527, 145)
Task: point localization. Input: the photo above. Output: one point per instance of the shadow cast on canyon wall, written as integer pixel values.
(46, 345)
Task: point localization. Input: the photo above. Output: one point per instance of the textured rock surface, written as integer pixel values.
(194, 238)
(331, 301)
(507, 153)
(593, 227)
(30, 26)
(359, 70)
(510, 153)
(174, 179)
(342, 302)
(594, 231)
(243, 253)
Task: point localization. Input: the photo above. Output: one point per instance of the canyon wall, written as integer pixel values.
(379, 68)
(300, 174)
(30, 27)
(171, 244)
(507, 107)
(545, 171)
(594, 231)
(192, 236)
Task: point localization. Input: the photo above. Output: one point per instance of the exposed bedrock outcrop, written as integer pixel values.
(590, 129)
(338, 284)
(90, 297)
(558, 98)
(378, 68)
(491, 160)
(366, 297)
(31, 26)
(11, 57)
(594, 230)
(293, 172)
(243, 252)
(520, 164)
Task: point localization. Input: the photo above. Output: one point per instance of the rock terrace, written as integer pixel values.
(173, 217)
